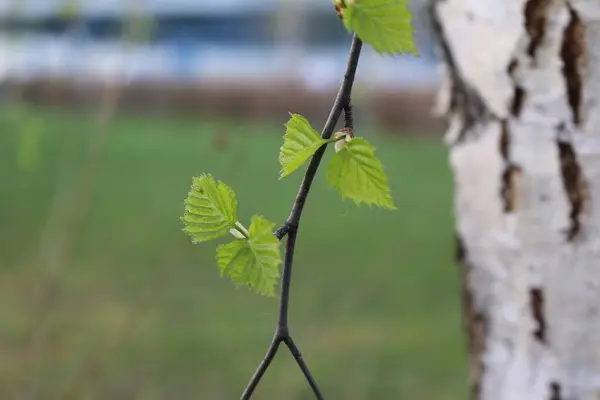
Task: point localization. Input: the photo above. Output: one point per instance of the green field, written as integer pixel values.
(133, 310)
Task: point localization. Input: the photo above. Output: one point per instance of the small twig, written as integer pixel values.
(300, 361)
(290, 228)
(281, 336)
(262, 368)
(281, 232)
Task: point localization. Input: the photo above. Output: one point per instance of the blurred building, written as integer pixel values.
(196, 40)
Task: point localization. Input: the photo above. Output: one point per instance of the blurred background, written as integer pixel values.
(107, 110)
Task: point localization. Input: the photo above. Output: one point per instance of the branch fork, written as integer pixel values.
(290, 229)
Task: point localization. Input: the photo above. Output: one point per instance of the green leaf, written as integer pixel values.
(253, 262)
(385, 24)
(210, 209)
(299, 143)
(358, 174)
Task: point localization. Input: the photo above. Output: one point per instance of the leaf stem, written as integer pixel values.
(290, 228)
(241, 229)
(337, 139)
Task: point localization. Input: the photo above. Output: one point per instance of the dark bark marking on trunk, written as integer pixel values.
(464, 99)
(518, 100)
(536, 15)
(575, 185)
(475, 322)
(555, 391)
(535, 24)
(519, 93)
(572, 54)
(508, 185)
(536, 302)
(504, 140)
(536, 12)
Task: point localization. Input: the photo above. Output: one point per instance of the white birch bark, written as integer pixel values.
(523, 103)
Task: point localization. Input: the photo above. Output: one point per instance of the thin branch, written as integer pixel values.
(342, 99)
(286, 280)
(300, 361)
(262, 368)
(348, 117)
(290, 228)
(293, 220)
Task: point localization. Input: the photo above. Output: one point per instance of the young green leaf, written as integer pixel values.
(210, 209)
(253, 262)
(299, 143)
(385, 24)
(358, 174)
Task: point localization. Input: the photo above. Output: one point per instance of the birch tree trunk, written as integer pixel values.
(522, 98)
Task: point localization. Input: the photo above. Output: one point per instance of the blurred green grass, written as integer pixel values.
(138, 312)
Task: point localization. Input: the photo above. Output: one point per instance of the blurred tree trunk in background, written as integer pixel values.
(522, 98)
